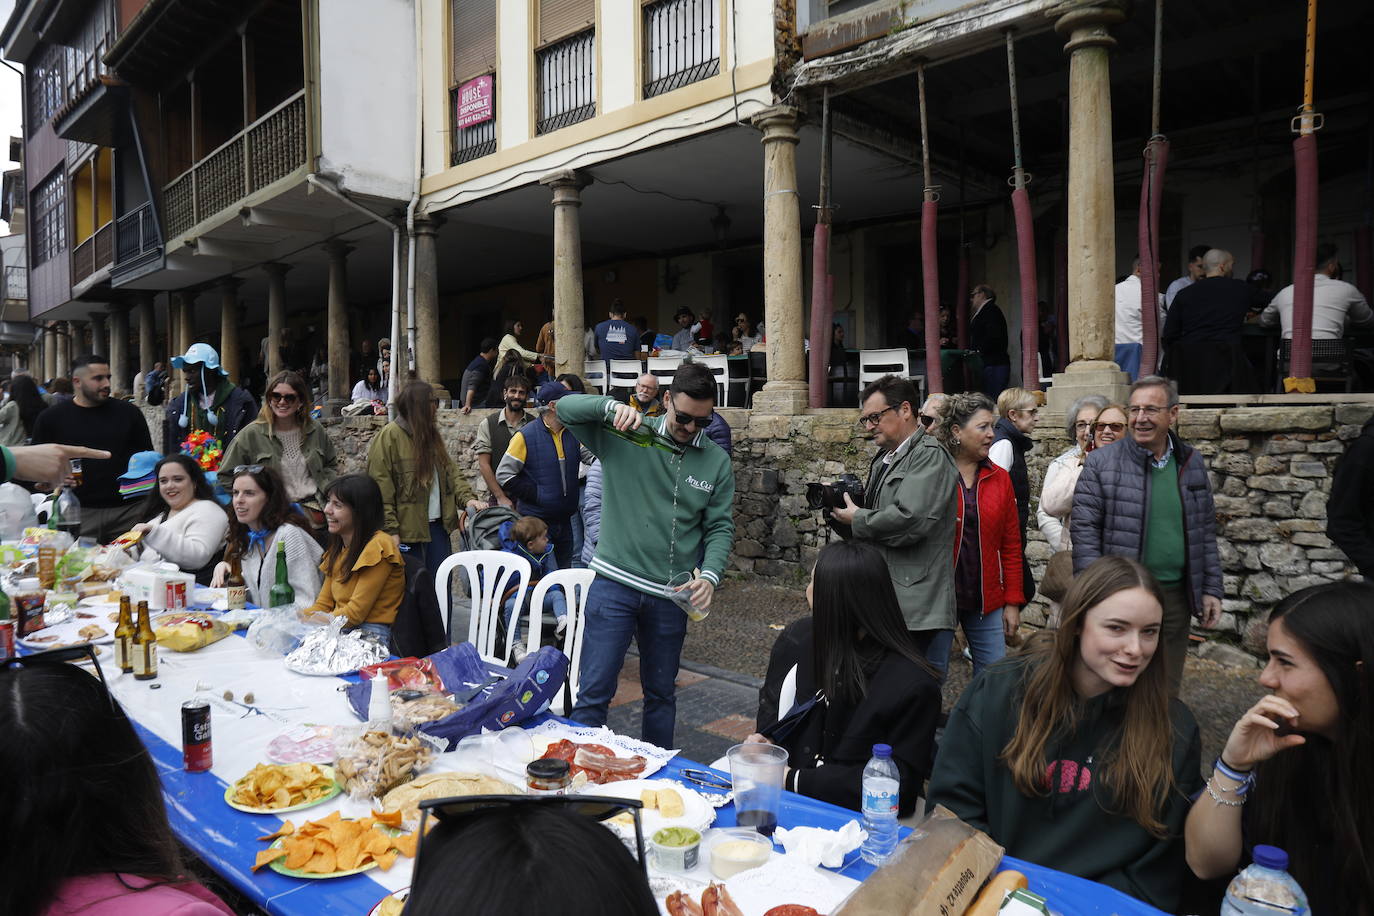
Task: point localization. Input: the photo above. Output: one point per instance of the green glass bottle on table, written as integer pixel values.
(282, 593)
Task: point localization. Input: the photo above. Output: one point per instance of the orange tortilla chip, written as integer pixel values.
(268, 855)
(389, 818)
(376, 843)
(322, 863)
(386, 860)
(298, 852)
(286, 829)
(350, 853)
(405, 843)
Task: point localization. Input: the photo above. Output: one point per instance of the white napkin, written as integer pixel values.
(819, 846)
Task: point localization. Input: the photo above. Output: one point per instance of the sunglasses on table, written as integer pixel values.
(63, 656)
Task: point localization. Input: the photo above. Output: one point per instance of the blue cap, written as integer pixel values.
(141, 464)
(201, 353)
(550, 392)
(1270, 857)
(882, 750)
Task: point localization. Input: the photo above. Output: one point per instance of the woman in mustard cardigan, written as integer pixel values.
(364, 573)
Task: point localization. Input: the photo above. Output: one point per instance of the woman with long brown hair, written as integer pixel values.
(1071, 754)
(260, 517)
(423, 492)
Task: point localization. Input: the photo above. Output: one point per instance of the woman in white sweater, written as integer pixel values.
(187, 526)
(262, 518)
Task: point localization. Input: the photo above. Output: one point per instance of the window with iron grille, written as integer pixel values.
(681, 44)
(46, 80)
(49, 221)
(473, 25)
(567, 81)
(475, 140)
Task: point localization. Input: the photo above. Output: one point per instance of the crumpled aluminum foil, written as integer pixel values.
(329, 651)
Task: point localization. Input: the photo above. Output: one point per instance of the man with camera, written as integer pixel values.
(908, 507)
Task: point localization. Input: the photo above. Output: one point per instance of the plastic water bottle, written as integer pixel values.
(1265, 888)
(881, 789)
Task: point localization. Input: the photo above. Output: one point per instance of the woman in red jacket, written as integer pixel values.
(988, 592)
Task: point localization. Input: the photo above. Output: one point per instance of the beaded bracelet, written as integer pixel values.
(1223, 801)
(1245, 779)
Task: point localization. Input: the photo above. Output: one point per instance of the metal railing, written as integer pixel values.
(270, 148)
(94, 253)
(135, 234)
(681, 44)
(16, 282)
(472, 142)
(567, 82)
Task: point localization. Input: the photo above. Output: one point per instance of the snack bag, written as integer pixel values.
(187, 631)
(369, 764)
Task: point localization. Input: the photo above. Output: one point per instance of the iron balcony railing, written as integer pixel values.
(136, 234)
(270, 148)
(472, 142)
(681, 44)
(16, 282)
(94, 253)
(567, 82)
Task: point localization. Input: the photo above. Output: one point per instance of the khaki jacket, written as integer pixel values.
(257, 444)
(405, 501)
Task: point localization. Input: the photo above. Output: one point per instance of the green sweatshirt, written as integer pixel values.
(1070, 827)
(637, 513)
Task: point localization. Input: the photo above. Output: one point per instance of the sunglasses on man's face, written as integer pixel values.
(689, 420)
(65, 655)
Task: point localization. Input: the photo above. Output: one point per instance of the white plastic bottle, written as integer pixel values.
(1265, 888)
(881, 792)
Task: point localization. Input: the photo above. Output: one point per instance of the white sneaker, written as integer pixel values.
(561, 627)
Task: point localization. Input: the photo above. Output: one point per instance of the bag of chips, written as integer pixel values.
(187, 631)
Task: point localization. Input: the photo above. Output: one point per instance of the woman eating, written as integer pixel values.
(261, 518)
(846, 678)
(1071, 754)
(188, 525)
(364, 573)
(1053, 520)
(286, 437)
(423, 492)
(1295, 771)
(988, 584)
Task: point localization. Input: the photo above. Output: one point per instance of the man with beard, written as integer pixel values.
(92, 419)
(211, 402)
(495, 432)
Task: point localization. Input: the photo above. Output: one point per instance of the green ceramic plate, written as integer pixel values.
(334, 790)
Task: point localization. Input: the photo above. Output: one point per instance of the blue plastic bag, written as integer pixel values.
(520, 697)
(459, 668)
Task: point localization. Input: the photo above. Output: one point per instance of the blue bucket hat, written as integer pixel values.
(140, 477)
(201, 353)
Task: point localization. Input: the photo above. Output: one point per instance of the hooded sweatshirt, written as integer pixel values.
(1072, 827)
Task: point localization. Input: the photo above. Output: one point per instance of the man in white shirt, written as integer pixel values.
(1129, 333)
(1335, 303)
(1195, 272)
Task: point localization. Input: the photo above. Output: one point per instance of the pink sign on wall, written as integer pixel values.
(477, 101)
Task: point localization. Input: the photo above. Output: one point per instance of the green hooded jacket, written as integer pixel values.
(405, 500)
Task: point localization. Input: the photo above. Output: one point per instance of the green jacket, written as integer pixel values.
(655, 504)
(911, 520)
(257, 444)
(405, 501)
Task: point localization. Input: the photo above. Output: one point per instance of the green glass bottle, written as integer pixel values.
(645, 437)
(282, 593)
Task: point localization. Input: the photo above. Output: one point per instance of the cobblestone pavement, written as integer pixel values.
(726, 655)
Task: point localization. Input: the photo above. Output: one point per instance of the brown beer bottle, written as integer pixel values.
(124, 637)
(144, 646)
(235, 588)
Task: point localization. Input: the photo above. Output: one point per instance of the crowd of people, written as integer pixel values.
(1073, 751)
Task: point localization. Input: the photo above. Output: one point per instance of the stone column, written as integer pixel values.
(568, 310)
(427, 361)
(276, 314)
(186, 321)
(786, 390)
(147, 336)
(338, 327)
(49, 352)
(229, 318)
(1091, 209)
(173, 341)
(100, 341)
(119, 349)
(65, 332)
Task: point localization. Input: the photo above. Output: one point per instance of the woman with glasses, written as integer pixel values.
(1109, 426)
(364, 572)
(1078, 423)
(286, 437)
(260, 518)
(88, 828)
(1020, 412)
(853, 677)
(188, 525)
(988, 583)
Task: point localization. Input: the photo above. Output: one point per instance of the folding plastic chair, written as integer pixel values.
(622, 373)
(576, 584)
(874, 364)
(664, 368)
(487, 575)
(720, 368)
(594, 375)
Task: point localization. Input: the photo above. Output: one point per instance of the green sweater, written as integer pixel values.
(1070, 827)
(637, 502)
(1165, 554)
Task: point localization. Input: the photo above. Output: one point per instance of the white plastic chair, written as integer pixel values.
(594, 375)
(874, 364)
(720, 368)
(488, 573)
(664, 368)
(576, 584)
(623, 373)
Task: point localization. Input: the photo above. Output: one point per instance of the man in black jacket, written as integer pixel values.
(1350, 509)
(988, 335)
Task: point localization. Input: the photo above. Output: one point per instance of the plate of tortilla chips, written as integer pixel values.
(275, 788)
(334, 847)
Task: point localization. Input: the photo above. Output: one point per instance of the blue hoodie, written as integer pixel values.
(540, 566)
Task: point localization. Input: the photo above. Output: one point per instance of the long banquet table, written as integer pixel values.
(227, 839)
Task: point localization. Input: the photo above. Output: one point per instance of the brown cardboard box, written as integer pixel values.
(936, 871)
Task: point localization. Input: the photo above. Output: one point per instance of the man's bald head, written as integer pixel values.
(1218, 262)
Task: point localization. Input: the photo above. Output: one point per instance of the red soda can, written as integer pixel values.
(196, 756)
(6, 637)
(169, 599)
(181, 594)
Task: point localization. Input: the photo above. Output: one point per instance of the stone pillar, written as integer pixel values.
(229, 320)
(276, 314)
(1091, 209)
(568, 310)
(49, 352)
(427, 361)
(786, 389)
(339, 385)
(100, 341)
(65, 331)
(119, 350)
(186, 322)
(147, 336)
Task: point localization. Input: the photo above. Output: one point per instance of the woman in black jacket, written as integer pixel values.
(846, 678)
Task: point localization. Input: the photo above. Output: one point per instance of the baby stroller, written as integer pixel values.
(483, 532)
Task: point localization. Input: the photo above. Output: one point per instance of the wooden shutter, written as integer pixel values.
(561, 18)
(474, 38)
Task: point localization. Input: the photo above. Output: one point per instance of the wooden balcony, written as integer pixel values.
(93, 254)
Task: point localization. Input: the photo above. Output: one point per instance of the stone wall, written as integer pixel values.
(1270, 470)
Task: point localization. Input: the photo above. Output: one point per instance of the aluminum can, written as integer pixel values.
(196, 753)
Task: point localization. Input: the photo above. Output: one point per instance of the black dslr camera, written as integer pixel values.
(827, 496)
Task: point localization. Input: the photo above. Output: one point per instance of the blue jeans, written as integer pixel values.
(555, 604)
(561, 537)
(437, 550)
(1128, 358)
(985, 641)
(579, 530)
(615, 614)
(378, 632)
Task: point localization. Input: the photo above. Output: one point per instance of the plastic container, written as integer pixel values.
(881, 793)
(1265, 888)
(675, 848)
(736, 849)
